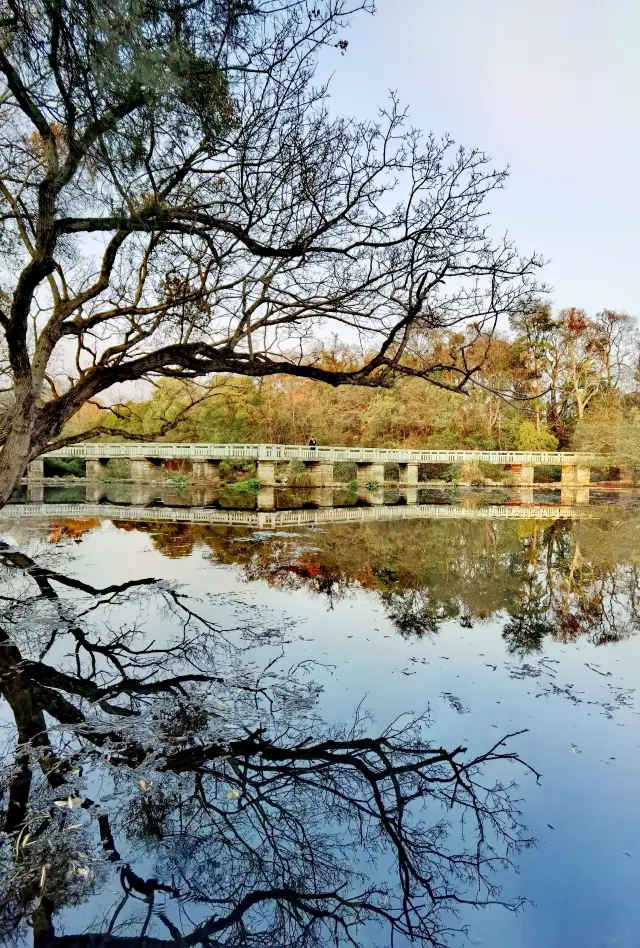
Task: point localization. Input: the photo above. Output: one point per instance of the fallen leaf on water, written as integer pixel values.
(21, 842)
(234, 793)
(69, 803)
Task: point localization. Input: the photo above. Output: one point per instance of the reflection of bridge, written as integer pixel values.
(202, 461)
(286, 518)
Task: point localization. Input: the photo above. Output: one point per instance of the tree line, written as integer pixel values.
(553, 381)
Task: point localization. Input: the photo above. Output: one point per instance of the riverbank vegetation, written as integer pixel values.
(553, 381)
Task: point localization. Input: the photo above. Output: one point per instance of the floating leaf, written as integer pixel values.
(21, 841)
(143, 784)
(69, 803)
(234, 794)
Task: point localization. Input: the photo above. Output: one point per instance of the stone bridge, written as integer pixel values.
(202, 461)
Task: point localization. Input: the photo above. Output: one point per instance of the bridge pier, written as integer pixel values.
(94, 468)
(35, 470)
(320, 473)
(522, 474)
(408, 474)
(322, 496)
(201, 496)
(266, 499)
(144, 470)
(205, 473)
(575, 475)
(35, 493)
(267, 473)
(625, 473)
(369, 473)
(142, 494)
(374, 498)
(523, 496)
(573, 496)
(94, 492)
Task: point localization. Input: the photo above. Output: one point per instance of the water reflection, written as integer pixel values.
(248, 496)
(161, 786)
(563, 579)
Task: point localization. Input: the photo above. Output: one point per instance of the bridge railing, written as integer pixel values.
(289, 452)
(260, 519)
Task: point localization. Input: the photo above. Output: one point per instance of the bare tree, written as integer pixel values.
(178, 200)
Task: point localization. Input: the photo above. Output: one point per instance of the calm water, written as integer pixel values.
(229, 735)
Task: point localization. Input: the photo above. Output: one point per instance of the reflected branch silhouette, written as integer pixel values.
(156, 755)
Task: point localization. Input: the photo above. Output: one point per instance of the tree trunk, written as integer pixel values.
(14, 458)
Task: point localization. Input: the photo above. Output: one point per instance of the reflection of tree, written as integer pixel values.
(414, 614)
(71, 530)
(229, 812)
(171, 539)
(562, 580)
(579, 581)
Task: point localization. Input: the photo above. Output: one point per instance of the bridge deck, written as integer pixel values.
(289, 452)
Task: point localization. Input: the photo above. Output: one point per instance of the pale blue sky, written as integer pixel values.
(551, 88)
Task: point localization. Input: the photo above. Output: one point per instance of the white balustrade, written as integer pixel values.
(289, 452)
(277, 518)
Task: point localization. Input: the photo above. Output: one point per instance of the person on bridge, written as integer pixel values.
(312, 443)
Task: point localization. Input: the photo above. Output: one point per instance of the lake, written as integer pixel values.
(320, 720)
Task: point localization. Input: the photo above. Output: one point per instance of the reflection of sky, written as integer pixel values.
(584, 888)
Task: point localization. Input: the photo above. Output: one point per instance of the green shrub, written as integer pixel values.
(178, 482)
(550, 474)
(64, 467)
(252, 486)
(492, 472)
(344, 471)
(117, 469)
(230, 468)
(372, 486)
(528, 438)
(297, 473)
